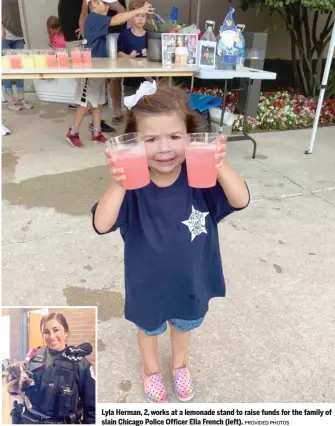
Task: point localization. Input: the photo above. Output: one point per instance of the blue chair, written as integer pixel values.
(203, 103)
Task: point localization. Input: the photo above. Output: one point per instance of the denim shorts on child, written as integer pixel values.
(179, 324)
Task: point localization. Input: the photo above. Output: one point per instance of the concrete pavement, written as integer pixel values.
(270, 340)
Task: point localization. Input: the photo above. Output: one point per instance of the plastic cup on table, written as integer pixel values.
(52, 59)
(200, 159)
(5, 62)
(87, 55)
(27, 60)
(40, 59)
(130, 155)
(63, 58)
(76, 57)
(15, 58)
(33, 54)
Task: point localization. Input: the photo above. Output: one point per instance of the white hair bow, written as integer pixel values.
(146, 88)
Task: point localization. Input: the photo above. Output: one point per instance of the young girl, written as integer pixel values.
(172, 255)
(56, 36)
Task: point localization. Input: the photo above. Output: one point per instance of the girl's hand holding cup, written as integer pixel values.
(127, 161)
(117, 173)
(221, 152)
(205, 154)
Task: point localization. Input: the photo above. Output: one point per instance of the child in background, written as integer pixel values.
(133, 43)
(92, 90)
(56, 36)
(172, 255)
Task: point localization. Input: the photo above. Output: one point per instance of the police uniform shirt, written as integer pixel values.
(172, 255)
(85, 381)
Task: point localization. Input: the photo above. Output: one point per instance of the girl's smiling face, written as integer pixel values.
(164, 136)
(54, 335)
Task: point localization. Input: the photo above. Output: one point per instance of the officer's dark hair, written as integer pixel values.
(58, 317)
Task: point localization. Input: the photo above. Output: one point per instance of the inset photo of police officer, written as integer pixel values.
(48, 365)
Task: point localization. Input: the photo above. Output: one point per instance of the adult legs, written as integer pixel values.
(7, 44)
(115, 88)
(19, 44)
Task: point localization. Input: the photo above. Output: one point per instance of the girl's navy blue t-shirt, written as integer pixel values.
(172, 255)
(126, 43)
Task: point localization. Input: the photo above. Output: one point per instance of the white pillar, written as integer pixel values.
(322, 91)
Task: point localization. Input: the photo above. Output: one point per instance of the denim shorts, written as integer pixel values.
(179, 324)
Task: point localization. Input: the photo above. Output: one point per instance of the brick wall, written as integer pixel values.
(82, 323)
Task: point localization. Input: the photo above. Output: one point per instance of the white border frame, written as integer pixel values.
(165, 35)
(210, 44)
(95, 347)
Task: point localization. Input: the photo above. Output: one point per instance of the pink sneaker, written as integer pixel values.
(183, 384)
(100, 138)
(74, 139)
(154, 387)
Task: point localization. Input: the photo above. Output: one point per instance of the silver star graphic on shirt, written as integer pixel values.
(196, 223)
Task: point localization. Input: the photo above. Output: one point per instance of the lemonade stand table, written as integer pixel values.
(57, 84)
(126, 67)
(102, 68)
(248, 73)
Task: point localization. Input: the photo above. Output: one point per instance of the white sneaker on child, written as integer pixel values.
(4, 130)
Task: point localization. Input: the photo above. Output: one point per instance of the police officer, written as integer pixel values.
(64, 388)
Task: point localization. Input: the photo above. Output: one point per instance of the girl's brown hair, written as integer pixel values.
(58, 317)
(167, 100)
(53, 23)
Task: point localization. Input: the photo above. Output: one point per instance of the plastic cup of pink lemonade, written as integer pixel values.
(76, 57)
(51, 59)
(15, 58)
(63, 58)
(87, 55)
(129, 153)
(200, 159)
